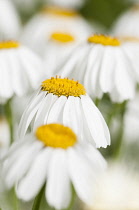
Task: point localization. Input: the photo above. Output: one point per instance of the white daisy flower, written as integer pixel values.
(65, 101)
(121, 28)
(67, 3)
(57, 50)
(103, 65)
(20, 70)
(52, 19)
(9, 20)
(54, 155)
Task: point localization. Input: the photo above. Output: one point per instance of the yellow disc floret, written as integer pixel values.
(58, 11)
(62, 37)
(104, 40)
(9, 44)
(65, 87)
(56, 135)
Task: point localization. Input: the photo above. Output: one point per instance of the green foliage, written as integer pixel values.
(104, 11)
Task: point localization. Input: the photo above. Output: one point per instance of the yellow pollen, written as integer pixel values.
(9, 44)
(104, 40)
(65, 87)
(61, 37)
(59, 11)
(56, 135)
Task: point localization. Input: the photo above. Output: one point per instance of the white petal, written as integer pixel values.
(31, 184)
(97, 126)
(19, 80)
(42, 114)
(56, 111)
(72, 114)
(124, 82)
(107, 68)
(91, 80)
(19, 168)
(6, 86)
(29, 113)
(58, 192)
(81, 175)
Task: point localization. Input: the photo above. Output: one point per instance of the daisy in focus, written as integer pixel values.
(9, 20)
(127, 23)
(20, 70)
(65, 101)
(53, 154)
(52, 19)
(57, 50)
(104, 65)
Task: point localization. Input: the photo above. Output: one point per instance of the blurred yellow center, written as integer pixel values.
(9, 44)
(65, 87)
(60, 11)
(56, 135)
(61, 37)
(104, 40)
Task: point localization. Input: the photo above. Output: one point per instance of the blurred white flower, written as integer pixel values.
(104, 65)
(67, 3)
(51, 19)
(127, 23)
(118, 189)
(9, 20)
(65, 101)
(54, 155)
(57, 50)
(20, 72)
(4, 136)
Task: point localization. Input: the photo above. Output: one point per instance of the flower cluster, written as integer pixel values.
(79, 83)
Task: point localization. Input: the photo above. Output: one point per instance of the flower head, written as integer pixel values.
(104, 65)
(53, 154)
(20, 72)
(54, 19)
(66, 101)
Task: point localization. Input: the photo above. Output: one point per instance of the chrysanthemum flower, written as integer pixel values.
(127, 23)
(57, 50)
(52, 19)
(103, 65)
(65, 101)
(53, 155)
(20, 70)
(9, 20)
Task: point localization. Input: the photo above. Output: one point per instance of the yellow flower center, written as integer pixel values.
(104, 40)
(56, 135)
(65, 87)
(61, 37)
(9, 44)
(59, 11)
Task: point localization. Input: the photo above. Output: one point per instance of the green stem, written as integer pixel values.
(15, 201)
(8, 112)
(37, 201)
(71, 206)
(118, 143)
